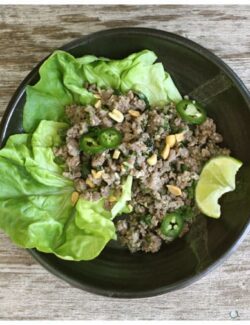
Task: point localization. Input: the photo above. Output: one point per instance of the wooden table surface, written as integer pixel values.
(28, 34)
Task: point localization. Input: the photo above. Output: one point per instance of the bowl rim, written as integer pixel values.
(180, 40)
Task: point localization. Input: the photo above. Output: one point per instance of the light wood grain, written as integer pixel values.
(29, 33)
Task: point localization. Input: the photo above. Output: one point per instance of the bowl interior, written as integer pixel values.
(116, 272)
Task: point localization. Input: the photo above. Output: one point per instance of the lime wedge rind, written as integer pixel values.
(206, 203)
(217, 178)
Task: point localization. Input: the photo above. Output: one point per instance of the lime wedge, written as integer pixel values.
(217, 177)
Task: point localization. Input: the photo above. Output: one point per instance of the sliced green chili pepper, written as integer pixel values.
(98, 140)
(110, 138)
(90, 145)
(172, 225)
(191, 112)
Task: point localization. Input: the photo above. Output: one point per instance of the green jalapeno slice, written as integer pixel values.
(191, 112)
(99, 140)
(172, 225)
(110, 138)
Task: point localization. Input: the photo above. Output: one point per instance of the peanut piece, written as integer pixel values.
(98, 104)
(171, 139)
(134, 113)
(96, 174)
(179, 137)
(116, 115)
(116, 154)
(165, 152)
(74, 198)
(175, 190)
(90, 183)
(152, 160)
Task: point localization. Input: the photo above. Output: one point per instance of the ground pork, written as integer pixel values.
(143, 136)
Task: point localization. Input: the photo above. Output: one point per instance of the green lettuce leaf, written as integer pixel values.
(87, 232)
(62, 79)
(60, 84)
(35, 199)
(121, 205)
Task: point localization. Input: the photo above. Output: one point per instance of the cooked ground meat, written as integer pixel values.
(144, 136)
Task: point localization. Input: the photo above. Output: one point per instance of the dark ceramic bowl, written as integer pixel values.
(198, 72)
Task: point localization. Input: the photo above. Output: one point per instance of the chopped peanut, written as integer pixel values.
(98, 104)
(116, 115)
(165, 152)
(116, 154)
(179, 137)
(152, 160)
(123, 169)
(90, 183)
(97, 96)
(96, 174)
(74, 198)
(130, 207)
(175, 190)
(134, 113)
(112, 198)
(171, 139)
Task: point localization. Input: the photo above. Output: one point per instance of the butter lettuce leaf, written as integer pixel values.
(62, 80)
(61, 83)
(121, 205)
(35, 199)
(87, 232)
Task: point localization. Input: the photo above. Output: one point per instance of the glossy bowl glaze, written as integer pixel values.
(198, 72)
